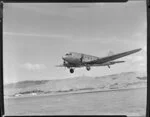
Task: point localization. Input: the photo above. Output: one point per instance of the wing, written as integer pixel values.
(113, 57)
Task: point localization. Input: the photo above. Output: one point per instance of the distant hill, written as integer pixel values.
(24, 84)
(115, 81)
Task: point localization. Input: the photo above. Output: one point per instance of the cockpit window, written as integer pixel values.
(68, 54)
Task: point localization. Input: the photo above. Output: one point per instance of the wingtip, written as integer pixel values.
(140, 49)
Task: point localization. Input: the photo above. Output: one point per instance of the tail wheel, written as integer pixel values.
(71, 70)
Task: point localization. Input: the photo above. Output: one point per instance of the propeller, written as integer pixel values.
(81, 59)
(64, 62)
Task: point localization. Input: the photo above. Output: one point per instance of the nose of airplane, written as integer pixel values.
(63, 57)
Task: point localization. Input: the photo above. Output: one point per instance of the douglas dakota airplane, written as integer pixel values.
(74, 60)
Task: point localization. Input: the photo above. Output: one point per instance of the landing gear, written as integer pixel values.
(88, 68)
(108, 66)
(71, 70)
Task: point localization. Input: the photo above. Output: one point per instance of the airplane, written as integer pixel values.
(74, 60)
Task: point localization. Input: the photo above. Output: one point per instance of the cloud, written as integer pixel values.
(37, 35)
(44, 9)
(104, 40)
(141, 57)
(33, 67)
(142, 64)
(137, 63)
(138, 59)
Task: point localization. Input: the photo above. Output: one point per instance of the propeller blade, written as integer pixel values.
(81, 59)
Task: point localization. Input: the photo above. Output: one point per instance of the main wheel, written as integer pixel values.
(88, 68)
(71, 70)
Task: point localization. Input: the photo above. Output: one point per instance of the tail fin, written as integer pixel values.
(110, 53)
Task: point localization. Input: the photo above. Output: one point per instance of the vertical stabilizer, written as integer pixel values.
(110, 53)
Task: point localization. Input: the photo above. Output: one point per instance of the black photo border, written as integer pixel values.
(2, 2)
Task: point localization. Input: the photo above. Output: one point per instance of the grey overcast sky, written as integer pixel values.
(37, 35)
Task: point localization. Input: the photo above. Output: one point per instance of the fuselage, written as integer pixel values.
(78, 58)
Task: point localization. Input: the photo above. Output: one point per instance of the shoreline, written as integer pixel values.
(75, 92)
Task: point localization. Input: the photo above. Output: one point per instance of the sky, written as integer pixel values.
(37, 35)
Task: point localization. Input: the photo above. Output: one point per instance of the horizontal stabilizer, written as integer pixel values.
(117, 62)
